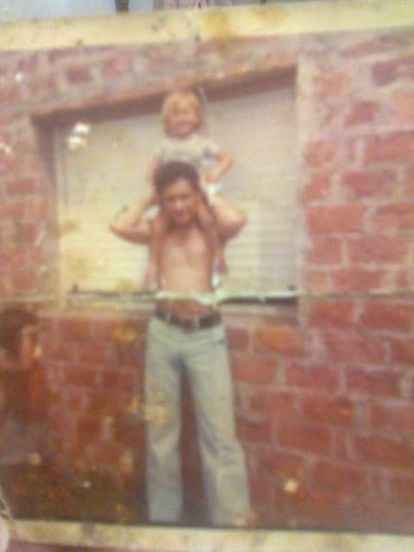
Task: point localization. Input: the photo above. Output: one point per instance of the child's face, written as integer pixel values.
(182, 120)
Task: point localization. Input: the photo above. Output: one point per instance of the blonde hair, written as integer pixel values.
(179, 96)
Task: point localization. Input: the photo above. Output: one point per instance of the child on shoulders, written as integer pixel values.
(183, 122)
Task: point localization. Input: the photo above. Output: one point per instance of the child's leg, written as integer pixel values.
(158, 231)
(207, 221)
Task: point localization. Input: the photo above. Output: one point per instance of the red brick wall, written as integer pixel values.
(324, 390)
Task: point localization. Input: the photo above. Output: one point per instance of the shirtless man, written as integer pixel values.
(187, 335)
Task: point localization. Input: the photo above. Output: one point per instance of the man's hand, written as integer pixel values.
(229, 219)
(131, 224)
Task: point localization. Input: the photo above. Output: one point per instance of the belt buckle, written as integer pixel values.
(191, 324)
(197, 322)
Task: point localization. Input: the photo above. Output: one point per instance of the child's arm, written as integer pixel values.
(131, 225)
(152, 169)
(223, 164)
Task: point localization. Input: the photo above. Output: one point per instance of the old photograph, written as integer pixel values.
(206, 280)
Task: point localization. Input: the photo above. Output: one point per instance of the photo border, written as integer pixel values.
(211, 23)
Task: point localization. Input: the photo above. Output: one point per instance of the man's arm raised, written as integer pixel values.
(229, 219)
(131, 225)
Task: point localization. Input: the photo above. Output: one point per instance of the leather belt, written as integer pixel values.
(189, 323)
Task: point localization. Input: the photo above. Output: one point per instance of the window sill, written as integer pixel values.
(183, 538)
(97, 305)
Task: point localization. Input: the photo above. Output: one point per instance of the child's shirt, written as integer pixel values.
(196, 149)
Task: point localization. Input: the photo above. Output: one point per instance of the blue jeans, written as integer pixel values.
(203, 353)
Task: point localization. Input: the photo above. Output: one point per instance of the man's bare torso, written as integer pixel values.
(186, 267)
(185, 261)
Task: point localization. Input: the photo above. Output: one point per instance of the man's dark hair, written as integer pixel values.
(174, 170)
(12, 322)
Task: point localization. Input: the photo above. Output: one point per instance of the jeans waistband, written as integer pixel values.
(189, 323)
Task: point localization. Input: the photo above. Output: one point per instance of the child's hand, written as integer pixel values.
(214, 174)
(153, 196)
(210, 177)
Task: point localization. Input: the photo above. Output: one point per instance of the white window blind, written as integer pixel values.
(105, 171)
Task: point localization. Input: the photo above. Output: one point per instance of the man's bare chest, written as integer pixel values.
(191, 249)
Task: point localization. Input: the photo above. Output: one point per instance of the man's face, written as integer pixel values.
(180, 201)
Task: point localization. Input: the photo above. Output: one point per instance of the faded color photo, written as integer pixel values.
(244, 131)
(211, 242)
